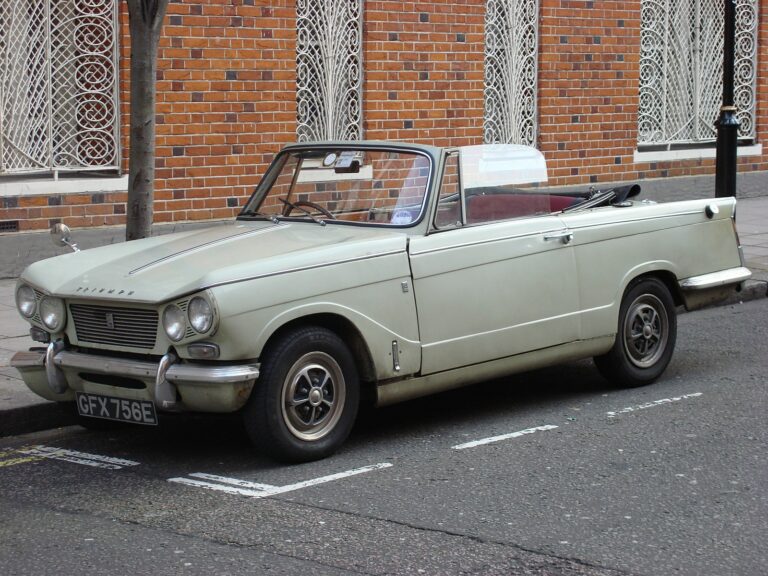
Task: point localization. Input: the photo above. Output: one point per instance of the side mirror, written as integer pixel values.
(61, 234)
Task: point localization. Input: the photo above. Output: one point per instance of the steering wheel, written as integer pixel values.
(298, 203)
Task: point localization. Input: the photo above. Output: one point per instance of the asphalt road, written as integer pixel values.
(667, 479)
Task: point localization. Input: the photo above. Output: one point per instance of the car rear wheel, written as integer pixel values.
(305, 401)
(646, 335)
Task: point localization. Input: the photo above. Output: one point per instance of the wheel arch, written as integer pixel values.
(343, 328)
(667, 277)
(617, 364)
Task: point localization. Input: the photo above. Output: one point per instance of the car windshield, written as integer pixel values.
(364, 186)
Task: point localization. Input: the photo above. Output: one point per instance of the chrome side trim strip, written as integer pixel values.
(721, 278)
(302, 269)
(571, 229)
(516, 326)
(486, 241)
(628, 220)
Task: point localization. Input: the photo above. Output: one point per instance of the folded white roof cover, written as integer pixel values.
(501, 164)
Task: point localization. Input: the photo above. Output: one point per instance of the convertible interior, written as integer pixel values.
(490, 204)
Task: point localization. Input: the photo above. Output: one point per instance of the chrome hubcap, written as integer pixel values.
(646, 331)
(313, 396)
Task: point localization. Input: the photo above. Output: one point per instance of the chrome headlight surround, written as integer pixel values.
(26, 300)
(53, 313)
(191, 317)
(200, 314)
(174, 322)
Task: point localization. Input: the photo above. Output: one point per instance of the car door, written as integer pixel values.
(494, 290)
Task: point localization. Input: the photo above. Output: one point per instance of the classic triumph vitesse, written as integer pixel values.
(400, 269)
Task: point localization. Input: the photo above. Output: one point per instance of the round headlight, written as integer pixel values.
(25, 301)
(200, 314)
(53, 313)
(174, 322)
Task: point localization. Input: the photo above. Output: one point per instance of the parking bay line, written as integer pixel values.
(84, 458)
(501, 437)
(258, 490)
(16, 461)
(663, 401)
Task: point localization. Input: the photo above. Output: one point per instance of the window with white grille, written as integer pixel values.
(58, 85)
(329, 69)
(511, 49)
(681, 70)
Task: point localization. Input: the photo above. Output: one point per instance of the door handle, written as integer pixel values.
(565, 236)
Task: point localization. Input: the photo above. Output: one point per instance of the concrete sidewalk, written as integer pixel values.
(21, 411)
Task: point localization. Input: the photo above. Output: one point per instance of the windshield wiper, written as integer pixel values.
(270, 217)
(298, 207)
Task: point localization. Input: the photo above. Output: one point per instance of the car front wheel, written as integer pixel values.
(305, 401)
(646, 335)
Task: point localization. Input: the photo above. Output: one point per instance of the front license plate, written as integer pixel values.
(109, 408)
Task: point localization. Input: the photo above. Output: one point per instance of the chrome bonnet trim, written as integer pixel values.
(198, 247)
(189, 373)
(721, 278)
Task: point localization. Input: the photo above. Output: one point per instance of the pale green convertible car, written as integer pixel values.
(388, 269)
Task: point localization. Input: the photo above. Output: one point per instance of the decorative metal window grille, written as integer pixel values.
(681, 70)
(58, 85)
(511, 49)
(329, 69)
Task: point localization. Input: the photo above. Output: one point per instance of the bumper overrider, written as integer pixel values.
(56, 373)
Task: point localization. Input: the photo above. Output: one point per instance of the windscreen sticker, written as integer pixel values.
(402, 217)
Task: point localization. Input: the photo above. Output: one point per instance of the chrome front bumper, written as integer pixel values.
(170, 384)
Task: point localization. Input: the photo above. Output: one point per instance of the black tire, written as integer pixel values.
(646, 335)
(305, 401)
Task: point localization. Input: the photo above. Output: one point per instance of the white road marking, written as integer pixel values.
(493, 439)
(95, 460)
(233, 481)
(218, 487)
(256, 490)
(653, 404)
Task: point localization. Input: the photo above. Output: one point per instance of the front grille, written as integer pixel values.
(129, 327)
(36, 316)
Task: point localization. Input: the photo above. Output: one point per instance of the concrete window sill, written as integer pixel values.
(692, 154)
(26, 186)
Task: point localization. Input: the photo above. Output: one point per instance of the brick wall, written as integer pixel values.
(761, 163)
(41, 211)
(226, 98)
(588, 95)
(226, 103)
(424, 71)
(588, 87)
